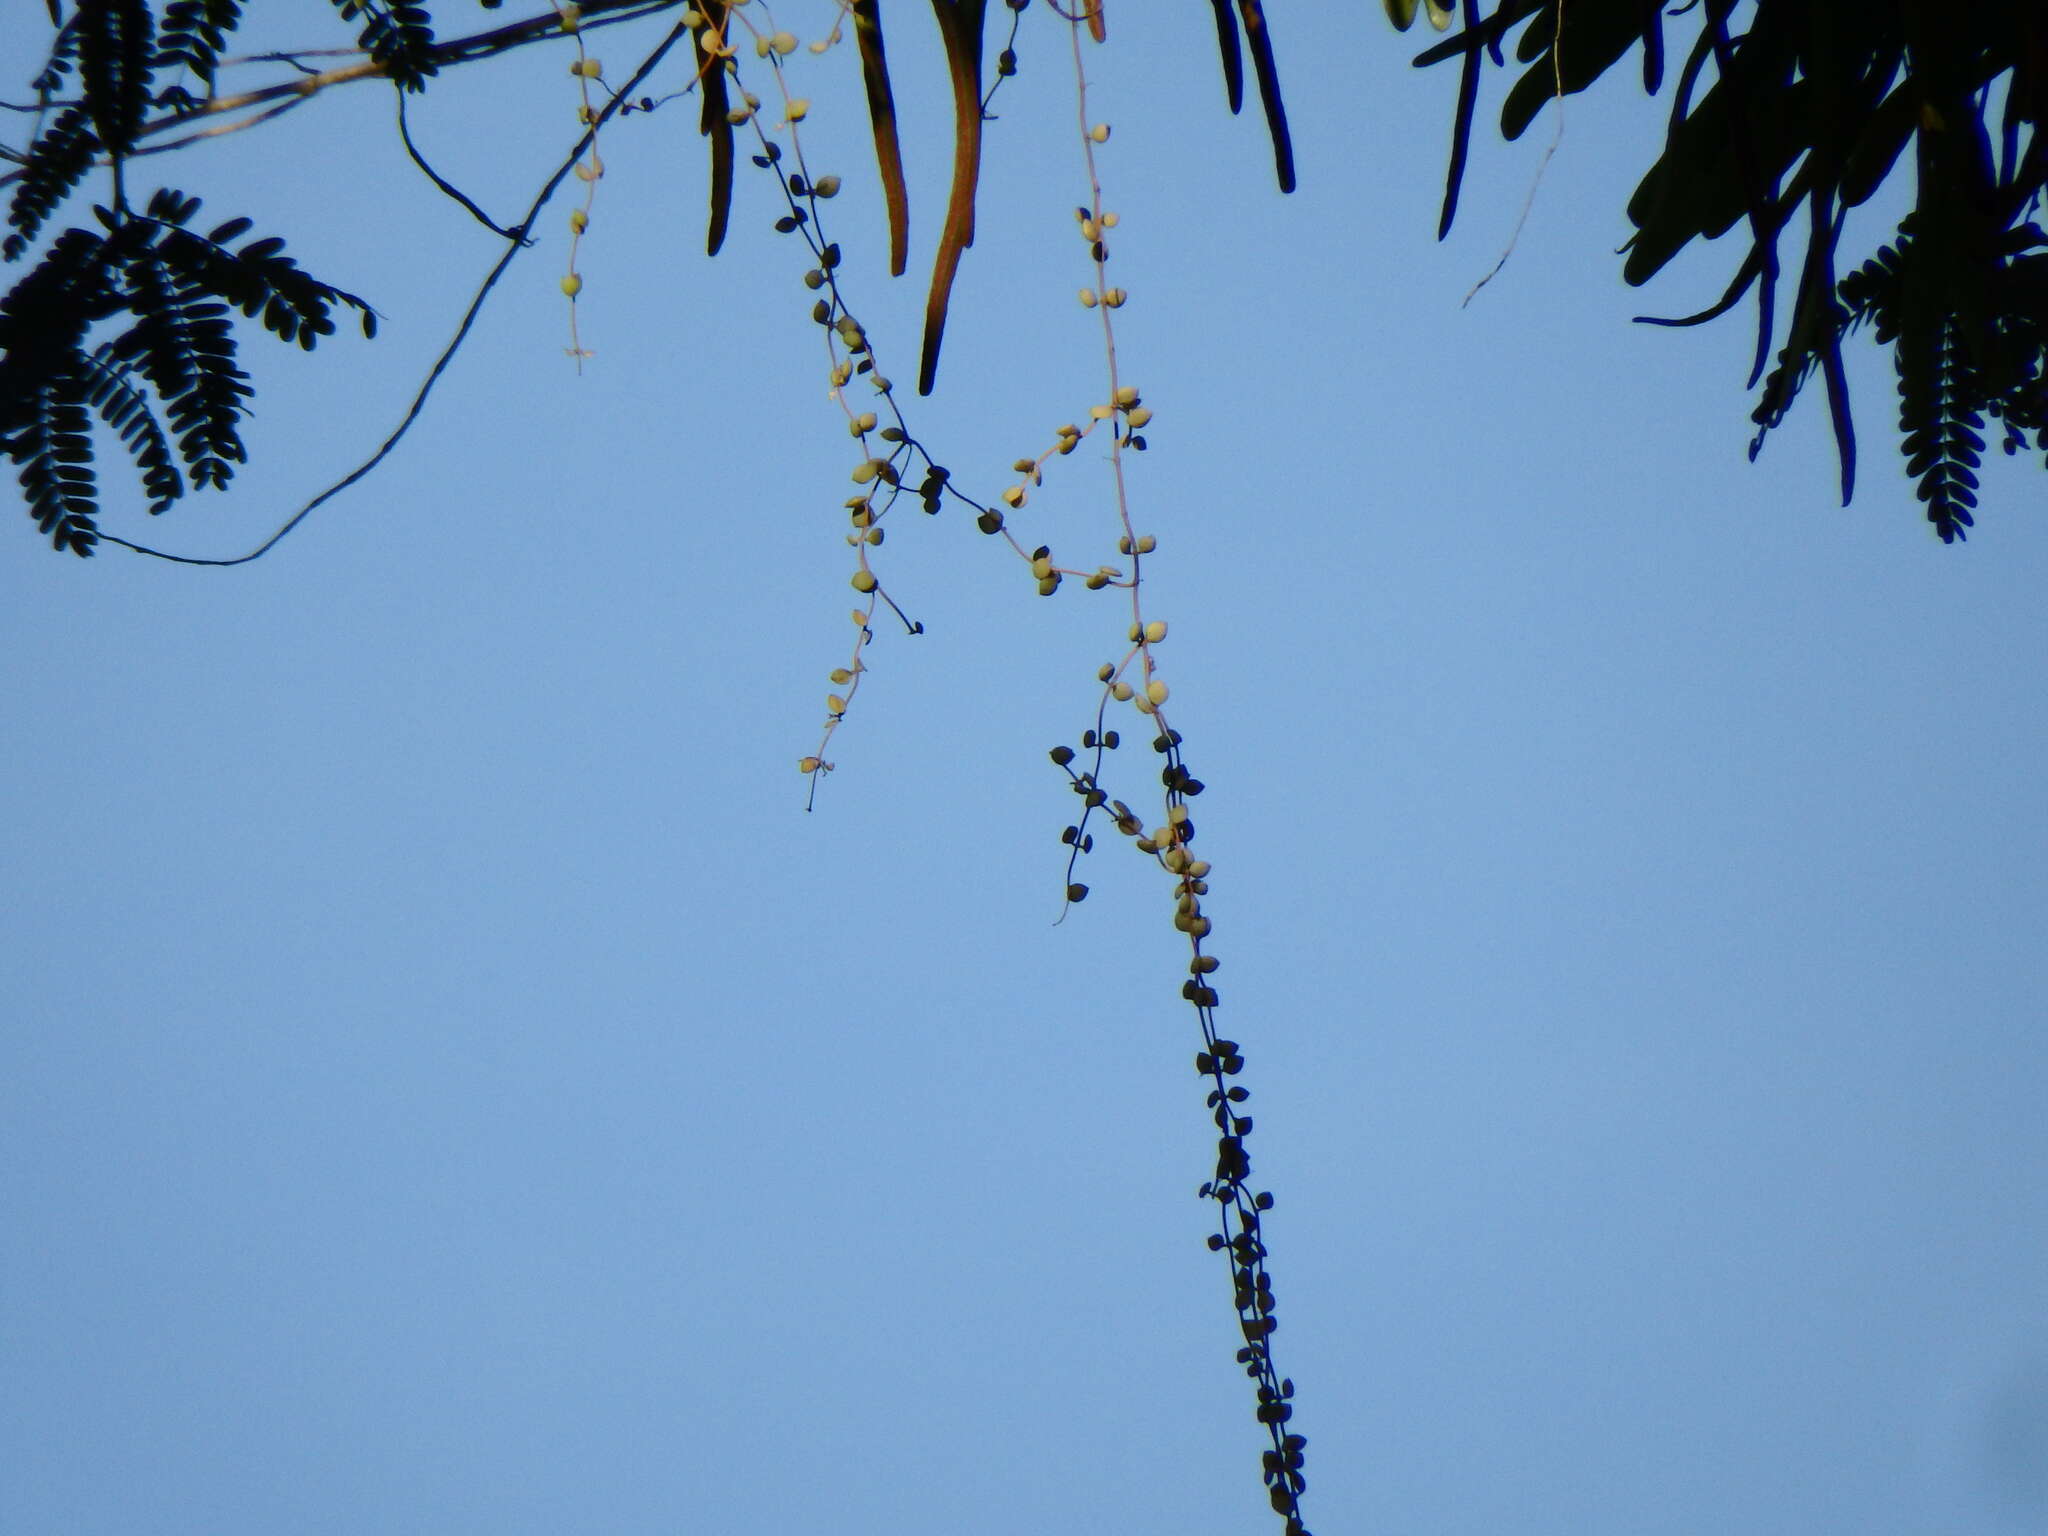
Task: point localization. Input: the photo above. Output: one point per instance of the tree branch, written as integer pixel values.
(281, 97)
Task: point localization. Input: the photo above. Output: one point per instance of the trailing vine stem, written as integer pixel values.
(892, 456)
(1239, 1207)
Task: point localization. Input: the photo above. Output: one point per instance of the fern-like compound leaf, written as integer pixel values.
(116, 59)
(1940, 422)
(53, 446)
(57, 163)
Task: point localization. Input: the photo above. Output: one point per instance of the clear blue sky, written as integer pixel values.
(453, 1086)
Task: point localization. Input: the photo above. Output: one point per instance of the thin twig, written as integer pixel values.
(448, 187)
(218, 130)
(1556, 138)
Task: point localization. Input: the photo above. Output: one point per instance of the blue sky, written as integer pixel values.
(454, 1086)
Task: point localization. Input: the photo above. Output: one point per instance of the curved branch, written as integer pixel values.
(419, 401)
(460, 50)
(447, 187)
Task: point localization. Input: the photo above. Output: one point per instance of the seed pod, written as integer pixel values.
(826, 186)
(572, 285)
(1139, 415)
(864, 581)
(1088, 299)
(1156, 691)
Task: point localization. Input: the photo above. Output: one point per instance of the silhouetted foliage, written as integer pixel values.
(1811, 106)
(399, 38)
(175, 288)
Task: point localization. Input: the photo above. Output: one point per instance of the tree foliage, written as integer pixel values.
(166, 381)
(1786, 116)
